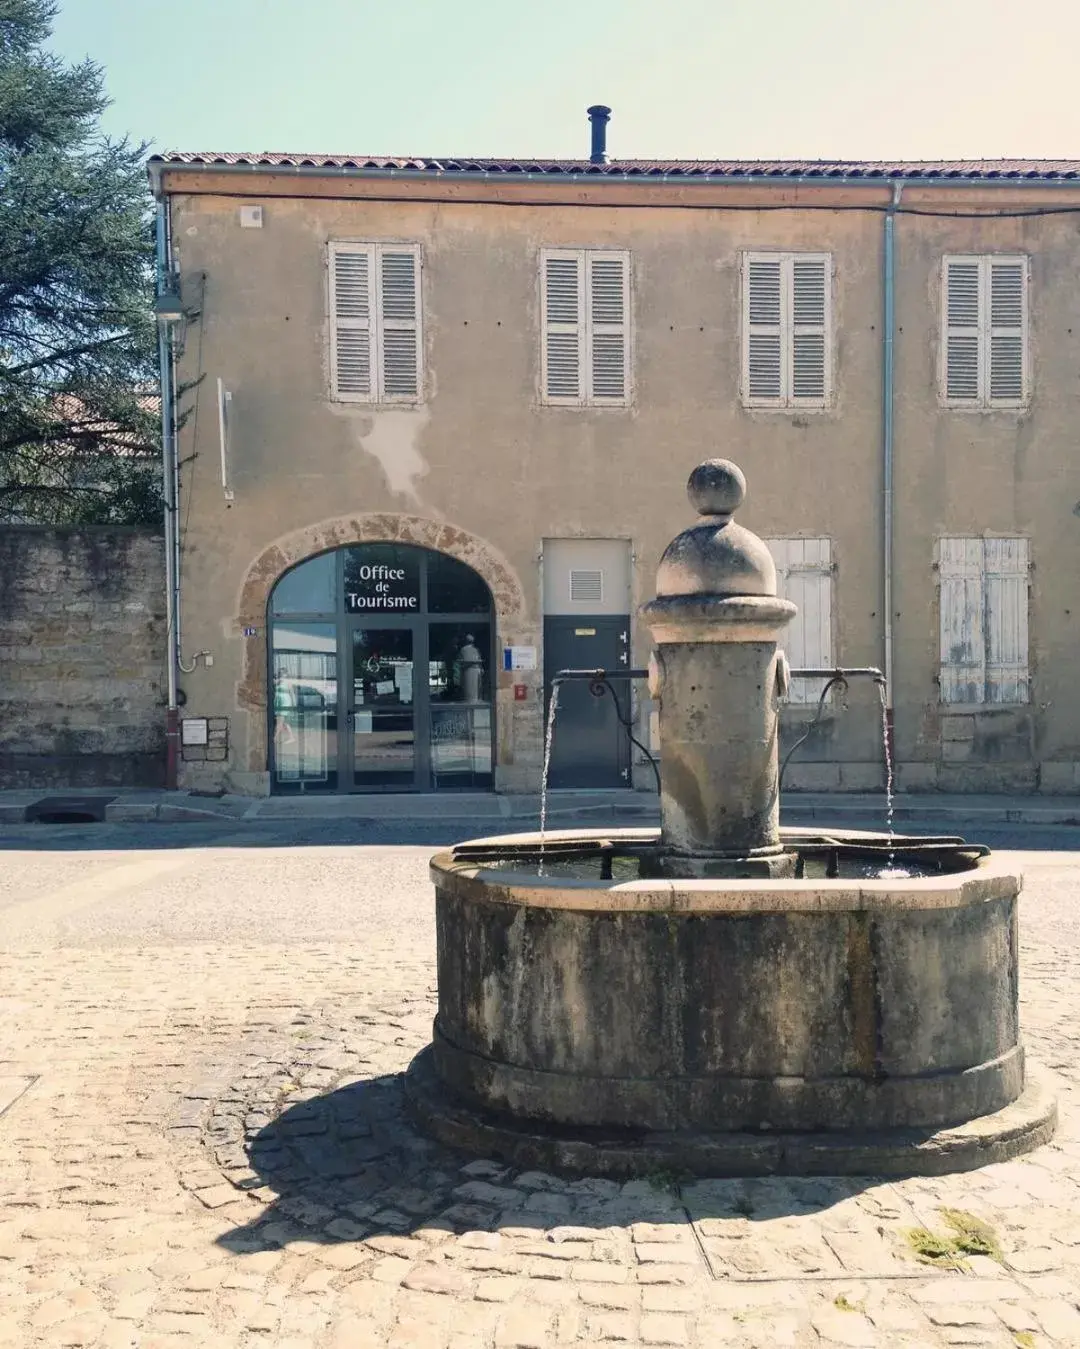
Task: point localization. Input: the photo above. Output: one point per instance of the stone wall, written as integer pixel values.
(82, 657)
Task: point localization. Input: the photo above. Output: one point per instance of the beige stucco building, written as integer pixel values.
(515, 366)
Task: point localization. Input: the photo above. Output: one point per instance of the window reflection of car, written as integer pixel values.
(295, 695)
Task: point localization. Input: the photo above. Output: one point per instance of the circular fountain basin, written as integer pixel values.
(858, 1020)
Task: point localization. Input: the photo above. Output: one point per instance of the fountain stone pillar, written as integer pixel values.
(718, 675)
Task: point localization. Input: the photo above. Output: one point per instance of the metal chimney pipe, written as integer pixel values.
(598, 116)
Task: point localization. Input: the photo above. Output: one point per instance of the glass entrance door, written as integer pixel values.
(382, 711)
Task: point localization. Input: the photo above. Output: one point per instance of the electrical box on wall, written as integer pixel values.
(251, 217)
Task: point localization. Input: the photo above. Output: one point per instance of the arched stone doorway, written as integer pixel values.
(381, 660)
(511, 619)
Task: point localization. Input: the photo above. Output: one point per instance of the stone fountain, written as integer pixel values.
(725, 996)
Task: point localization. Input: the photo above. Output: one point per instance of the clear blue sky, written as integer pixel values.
(686, 78)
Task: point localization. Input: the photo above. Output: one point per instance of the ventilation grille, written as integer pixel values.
(587, 587)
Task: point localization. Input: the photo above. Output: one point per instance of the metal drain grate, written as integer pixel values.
(68, 810)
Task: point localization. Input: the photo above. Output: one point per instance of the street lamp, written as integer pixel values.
(168, 307)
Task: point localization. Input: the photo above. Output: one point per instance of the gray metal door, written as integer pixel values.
(590, 748)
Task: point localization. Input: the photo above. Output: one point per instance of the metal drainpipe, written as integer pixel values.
(888, 382)
(168, 468)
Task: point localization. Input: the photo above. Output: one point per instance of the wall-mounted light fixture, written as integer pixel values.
(168, 307)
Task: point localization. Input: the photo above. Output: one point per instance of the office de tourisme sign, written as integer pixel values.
(382, 587)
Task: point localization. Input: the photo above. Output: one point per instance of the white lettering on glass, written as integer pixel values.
(358, 601)
(370, 572)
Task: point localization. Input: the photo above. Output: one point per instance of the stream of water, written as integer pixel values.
(549, 737)
(890, 871)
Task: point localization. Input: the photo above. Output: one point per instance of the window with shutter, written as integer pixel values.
(809, 305)
(787, 302)
(1007, 332)
(375, 328)
(984, 348)
(585, 327)
(804, 575)
(399, 324)
(764, 378)
(563, 324)
(351, 268)
(1006, 570)
(984, 620)
(609, 301)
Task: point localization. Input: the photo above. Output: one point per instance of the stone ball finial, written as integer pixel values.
(717, 487)
(716, 556)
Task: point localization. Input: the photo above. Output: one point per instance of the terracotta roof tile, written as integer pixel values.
(976, 169)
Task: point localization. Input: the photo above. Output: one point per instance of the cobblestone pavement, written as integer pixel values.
(204, 1144)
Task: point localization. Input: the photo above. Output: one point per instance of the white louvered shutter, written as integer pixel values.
(804, 575)
(762, 332)
(1006, 604)
(563, 325)
(1008, 330)
(963, 618)
(963, 330)
(399, 314)
(809, 329)
(985, 342)
(352, 269)
(608, 283)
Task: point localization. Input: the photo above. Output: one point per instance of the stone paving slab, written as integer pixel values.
(215, 1153)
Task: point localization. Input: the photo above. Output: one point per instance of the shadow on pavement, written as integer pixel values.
(350, 1166)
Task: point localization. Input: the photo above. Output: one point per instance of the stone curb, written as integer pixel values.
(178, 808)
(164, 812)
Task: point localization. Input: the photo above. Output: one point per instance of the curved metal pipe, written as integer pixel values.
(833, 679)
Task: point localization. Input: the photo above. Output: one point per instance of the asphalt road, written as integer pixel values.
(314, 881)
(166, 990)
(68, 838)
